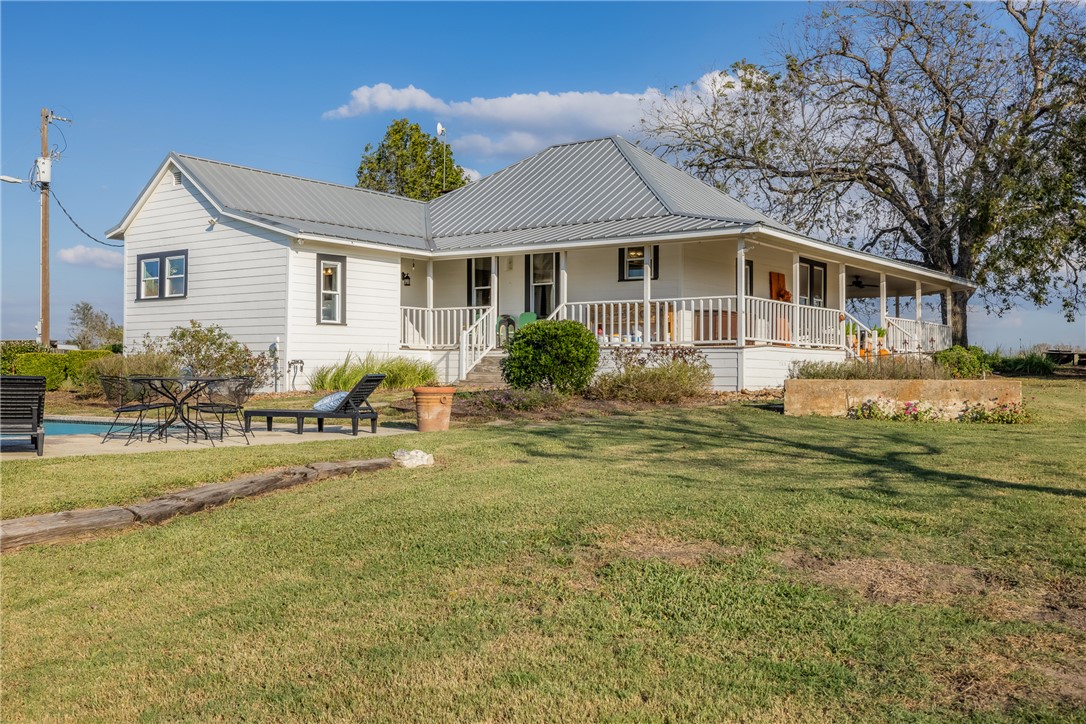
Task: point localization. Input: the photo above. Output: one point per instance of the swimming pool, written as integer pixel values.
(66, 427)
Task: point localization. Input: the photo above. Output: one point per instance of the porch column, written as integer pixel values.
(563, 283)
(429, 283)
(842, 290)
(882, 300)
(948, 304)
(647, 289)
(741, 296)
(795, 331)
(494, 293)
(917, 296)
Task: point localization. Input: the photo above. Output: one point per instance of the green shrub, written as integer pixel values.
(962, 363)
(881, 367)
(210, 351)
(11, 347)
(658, 374)
(1031, 363)
(50, 365)
(79, 368)
(401, 373)
(551, 354)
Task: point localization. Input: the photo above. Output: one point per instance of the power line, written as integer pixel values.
(74, 223)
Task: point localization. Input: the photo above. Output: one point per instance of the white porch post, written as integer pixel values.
(563, 283)
(647, 289)
(882, 300)
(741, 295)
(948, 301)
(842, 290)
(917, 296)
(795, 331)
(493, 286)
(429, 283)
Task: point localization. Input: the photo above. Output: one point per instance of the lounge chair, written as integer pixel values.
(354, 406)
(22, 408)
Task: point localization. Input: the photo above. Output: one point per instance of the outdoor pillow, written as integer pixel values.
(329, 403)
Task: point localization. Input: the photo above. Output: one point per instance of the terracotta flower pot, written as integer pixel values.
(433, 406)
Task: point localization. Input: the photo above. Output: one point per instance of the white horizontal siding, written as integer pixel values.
(725, 365)
(236, 275)
(768, 366)
(372, 288)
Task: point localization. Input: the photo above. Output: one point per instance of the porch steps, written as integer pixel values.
(487, 374)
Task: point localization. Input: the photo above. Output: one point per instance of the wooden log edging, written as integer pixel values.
(71, 525)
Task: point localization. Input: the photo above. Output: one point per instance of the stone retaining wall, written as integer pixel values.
(834, 398)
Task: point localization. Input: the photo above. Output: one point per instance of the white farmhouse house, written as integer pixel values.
(596, 231)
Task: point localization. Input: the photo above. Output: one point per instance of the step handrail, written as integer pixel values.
(477, 341)
(854, 351)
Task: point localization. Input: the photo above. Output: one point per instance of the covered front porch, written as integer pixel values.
(725, 293)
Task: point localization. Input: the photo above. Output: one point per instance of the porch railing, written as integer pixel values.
(910, 335)
(706, 320)
(422, 328)
(476, 341)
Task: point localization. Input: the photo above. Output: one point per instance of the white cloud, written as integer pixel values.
(91, 256)
(472, 174)
(513, 126)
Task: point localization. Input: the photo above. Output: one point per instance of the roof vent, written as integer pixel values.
(176, 178)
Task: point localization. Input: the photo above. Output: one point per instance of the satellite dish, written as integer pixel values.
(440, 130)
(857, 282)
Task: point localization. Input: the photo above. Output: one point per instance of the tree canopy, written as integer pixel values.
(409, 162)
(938, 133)
(93, 329)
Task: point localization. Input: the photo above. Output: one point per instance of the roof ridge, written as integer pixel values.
(652, 189)
(296, 178)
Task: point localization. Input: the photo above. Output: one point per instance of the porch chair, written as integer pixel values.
(353, 405)
(22, 408)
(127, 396)
(222, 399)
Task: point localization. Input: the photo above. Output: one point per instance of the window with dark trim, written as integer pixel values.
(479, 272)
(162, 275)
(748, 288)
(812, 283)
(631, 263)
(331, 289)
(540, 283)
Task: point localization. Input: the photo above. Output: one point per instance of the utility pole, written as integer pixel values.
(44, 178)
(44, 167)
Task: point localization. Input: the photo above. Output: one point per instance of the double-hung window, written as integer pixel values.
(331, 292)
(541, 282)
(812, 283)
(631, 263)
(479, 273)
(162, 275)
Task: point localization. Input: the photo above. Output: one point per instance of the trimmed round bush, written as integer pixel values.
(962, 363)
(558, 355)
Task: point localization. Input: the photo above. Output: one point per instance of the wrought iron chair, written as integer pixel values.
(131, 396)
(222, 399)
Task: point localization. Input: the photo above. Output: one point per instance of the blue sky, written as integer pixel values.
(300, 88)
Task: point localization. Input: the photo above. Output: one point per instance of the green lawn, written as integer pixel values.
(714, 564)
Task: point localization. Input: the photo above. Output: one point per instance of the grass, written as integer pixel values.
(401, 373)
(532, 575)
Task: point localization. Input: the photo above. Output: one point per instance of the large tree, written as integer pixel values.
(409, 162)
(93, 329)
(944, 134)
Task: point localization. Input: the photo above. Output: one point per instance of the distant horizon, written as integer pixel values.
(198, 78)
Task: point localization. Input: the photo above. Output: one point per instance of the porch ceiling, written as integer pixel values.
(896, 286)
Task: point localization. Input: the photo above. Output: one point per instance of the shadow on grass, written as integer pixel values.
(880, 456)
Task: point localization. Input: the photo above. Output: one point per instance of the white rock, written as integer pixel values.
(413, 458)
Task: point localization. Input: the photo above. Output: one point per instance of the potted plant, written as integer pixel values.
(433, 407)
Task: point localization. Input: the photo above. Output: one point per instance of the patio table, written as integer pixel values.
(178, 391)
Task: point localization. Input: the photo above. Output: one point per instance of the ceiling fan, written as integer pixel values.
(857, 282)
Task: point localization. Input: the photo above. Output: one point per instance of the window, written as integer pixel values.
(479, 292)
(163, 275)
(631, 263)
(331, 297)
(812, 283)
(748, 286)
(540, 283)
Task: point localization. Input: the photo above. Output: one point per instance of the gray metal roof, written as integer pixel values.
(301, 205)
